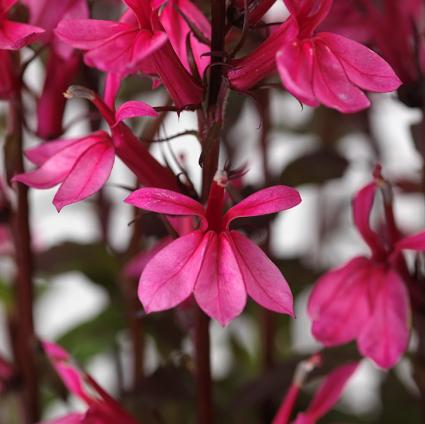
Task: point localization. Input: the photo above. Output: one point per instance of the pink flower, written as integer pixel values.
(316, 68)
(62, 63)
(81, 166)
(15, 35)
(137, 42)
(117, 47)
(47, 15)
(218, 265)
(367, 299)
(327, 395)
(8, 76)
(102, 408)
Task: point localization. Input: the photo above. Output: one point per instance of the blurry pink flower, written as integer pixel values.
(138, 42)
(81, 166)
(218, 265)
(62, 63)
(367, 299)
(102, 408)
(327, 395)
(15, 35)
(117, 47)
(47, 14)
(6, 373)
(316, 68)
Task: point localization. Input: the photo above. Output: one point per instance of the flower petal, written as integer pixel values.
(122, 53)
(330, 390)
(132, 109)
(331, 84)
(40, 154)
(362, 207)
(5, 5)
(263, 280)
(309, 13)
(339, 303)
(88, 34)
(219, 289)
(166, 202)
(169, 278)
(385, 335)
(364, 67)
(269, 200)
(55, 169)
(295, 66)
(88, 175)
(414, 242)
(15, 35)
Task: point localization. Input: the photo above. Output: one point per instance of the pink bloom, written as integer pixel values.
(218, 265)
(327, 395)
(47, 14)
(137, 42)
(62, 63)
(316, 68)
(81, 166)
(114, 46)
(102, 408)
(402, 48)
(366, 299)
(15, 35)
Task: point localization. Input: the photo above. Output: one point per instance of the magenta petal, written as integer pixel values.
(385, 335)
(40, 154)
(165, 201)
(169, 278)
(75, 418)
(89, 33)
(5, 5)
(309, 13)
(364, 67)
(87, 176)
(219, 289)
(57, 167)
(339, 303)
(263, 280)
(14, 35)
(132, 109)
(362, 207)
(269, 200)
(331, 84)
(295, 66)
(330, 390)
(142, 10)
(414, 242)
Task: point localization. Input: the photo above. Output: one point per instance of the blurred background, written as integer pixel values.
(81, 287)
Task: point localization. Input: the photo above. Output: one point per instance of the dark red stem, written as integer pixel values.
(26, 340)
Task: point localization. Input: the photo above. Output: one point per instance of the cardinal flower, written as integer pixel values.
(62, 63)
(102, 408)
(15, 35)
(324, 400)
(218, 265)
(317, 68)
(138, 42)
(81, 166)
(367, 299)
